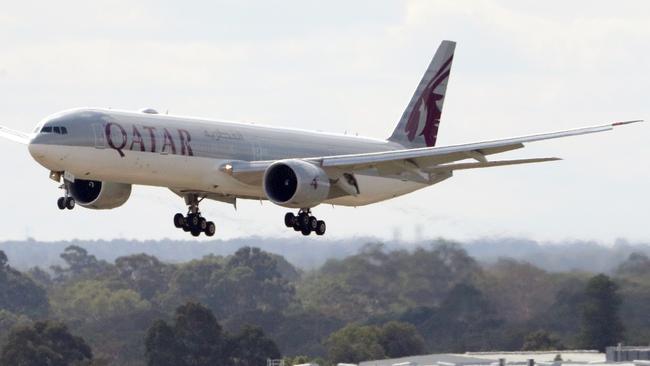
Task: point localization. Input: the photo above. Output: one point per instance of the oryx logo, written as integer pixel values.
(314, 183)
(425, 116)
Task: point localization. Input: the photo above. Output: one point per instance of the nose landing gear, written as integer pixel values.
(66, 201)
(304, 222)
(193, 221)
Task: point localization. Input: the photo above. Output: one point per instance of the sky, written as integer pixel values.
(520, 67)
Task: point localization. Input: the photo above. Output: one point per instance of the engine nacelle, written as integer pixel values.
(99, 195)
(296, 184)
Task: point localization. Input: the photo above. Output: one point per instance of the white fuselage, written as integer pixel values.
(188, 154)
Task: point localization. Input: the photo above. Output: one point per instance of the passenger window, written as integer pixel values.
(64, 130)
(47, 129)
(56, 130)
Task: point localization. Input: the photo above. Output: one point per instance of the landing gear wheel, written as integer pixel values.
(303, 220)
(179, 220)
(320, 227)
(289, 219)
(194, 220)
(313, 223)
(61, 203)
(210, 228)
(69, 203)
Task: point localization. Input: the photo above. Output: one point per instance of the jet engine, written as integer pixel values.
(99, 195)
(296, 184)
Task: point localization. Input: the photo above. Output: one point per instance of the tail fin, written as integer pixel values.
(418, 126)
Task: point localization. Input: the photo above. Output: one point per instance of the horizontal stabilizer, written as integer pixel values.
(13, 135)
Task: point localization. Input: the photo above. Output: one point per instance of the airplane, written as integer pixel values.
(96, 155)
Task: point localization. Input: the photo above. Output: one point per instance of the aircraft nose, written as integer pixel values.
(36, 150)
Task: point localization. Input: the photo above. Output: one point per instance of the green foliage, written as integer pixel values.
(161, 348)
(401, 339)
(80, 266)
(296, 360)
(246, 281)
(251, 348)
(20, 294)
(541, 341)
(92, 299)
(44, 343)
(144, 274)
(637, 265)
(355, 343)
(601, 323)
(374, 304)
(8, 321)
(375, 281)
(197, 339)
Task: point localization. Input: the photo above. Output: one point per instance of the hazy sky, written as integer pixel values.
(520, 67)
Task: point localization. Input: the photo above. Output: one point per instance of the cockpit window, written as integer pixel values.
(55, 129)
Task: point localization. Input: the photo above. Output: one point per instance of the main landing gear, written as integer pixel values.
(193, 221)
(67, 201)
(305, 222)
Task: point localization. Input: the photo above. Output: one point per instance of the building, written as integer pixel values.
(622, 353)
(615, 356)
(435, 359)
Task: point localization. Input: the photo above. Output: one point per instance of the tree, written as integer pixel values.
(94, 300)
(601, 324)
(251, 347)
(296, 360)
(196, 339)
(461, 322)
(637, 264)
(401, 339)
(81, 265)
(355, 343)
(541, 341)
(161, 348)
(19, 293)
(199, 336)
(44, 343)
(144, 274)
(3, 259)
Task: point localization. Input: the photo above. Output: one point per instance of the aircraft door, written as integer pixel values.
(100, 139)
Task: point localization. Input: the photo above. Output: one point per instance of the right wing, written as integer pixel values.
(420, 160)
(14, 135)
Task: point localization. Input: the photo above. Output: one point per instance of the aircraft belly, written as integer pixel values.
(164, 170)
(192, 173)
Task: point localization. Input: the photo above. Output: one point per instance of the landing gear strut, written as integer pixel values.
(304, 222)
(193, 221)
(66, 201)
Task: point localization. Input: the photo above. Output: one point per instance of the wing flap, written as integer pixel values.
(15, 136)
(487, 164)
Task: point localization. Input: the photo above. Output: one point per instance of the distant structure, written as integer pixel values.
(622, 353)
(436, 359)
(618, 356)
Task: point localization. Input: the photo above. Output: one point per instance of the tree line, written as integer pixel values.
(243, 308)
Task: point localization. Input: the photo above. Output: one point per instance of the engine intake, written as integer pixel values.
(99, 195)
(296, 184)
